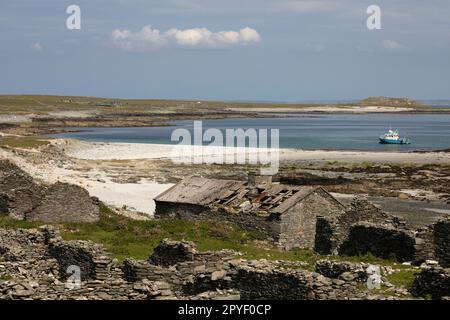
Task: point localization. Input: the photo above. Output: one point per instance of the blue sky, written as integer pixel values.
(275, 50)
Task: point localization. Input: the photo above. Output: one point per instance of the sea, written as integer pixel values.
(301, 131)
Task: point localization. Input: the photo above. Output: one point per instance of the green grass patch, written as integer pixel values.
(23, 142)
(403, 278)
(5, 277)
(137, 239)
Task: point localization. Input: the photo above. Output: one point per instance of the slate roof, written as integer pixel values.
(276, 198)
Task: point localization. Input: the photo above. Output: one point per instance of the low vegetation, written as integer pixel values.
(23, 142)
(42, 104)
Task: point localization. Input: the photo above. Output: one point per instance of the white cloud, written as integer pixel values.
(150, 39)
(393, 46)
(37, 47)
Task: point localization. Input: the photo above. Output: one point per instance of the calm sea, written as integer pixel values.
(339, 132)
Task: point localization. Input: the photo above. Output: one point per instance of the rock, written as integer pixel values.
(22, 293)
(216, 275)
(347, 276)
(140, 287)
(403, 196)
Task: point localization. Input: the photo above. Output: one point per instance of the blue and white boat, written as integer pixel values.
(392, 137)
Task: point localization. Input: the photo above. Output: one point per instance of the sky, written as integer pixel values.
(258, 50)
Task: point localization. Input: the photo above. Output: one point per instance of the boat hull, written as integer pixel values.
(396, 141)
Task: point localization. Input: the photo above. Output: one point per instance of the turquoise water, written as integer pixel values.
(339, 132)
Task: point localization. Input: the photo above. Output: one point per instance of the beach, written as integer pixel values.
(129, 151)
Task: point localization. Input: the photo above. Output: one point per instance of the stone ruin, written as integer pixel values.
(19, 194)
(382, 241)
(364, 228)
(36, 262)
(169, 253)
(65, 202)
(24, 199)
(432, 281)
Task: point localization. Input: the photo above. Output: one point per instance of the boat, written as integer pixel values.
(392, 137)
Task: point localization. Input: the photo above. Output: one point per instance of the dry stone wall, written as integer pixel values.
(19, 194)
(432, 281)
(23, 199)
(65, 202)
(442, 242)
(264, 224)
(381, 241)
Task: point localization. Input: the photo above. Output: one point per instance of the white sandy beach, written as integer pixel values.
(129, 151)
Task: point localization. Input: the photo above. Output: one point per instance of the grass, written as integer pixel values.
(403, 278)
(5, 278)
(23, 142)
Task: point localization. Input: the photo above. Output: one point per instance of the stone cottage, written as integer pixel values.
(283, 213)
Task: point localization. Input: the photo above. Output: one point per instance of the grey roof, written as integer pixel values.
(276, 198)
(199, 190)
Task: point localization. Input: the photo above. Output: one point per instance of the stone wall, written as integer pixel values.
(65, 202)
(432, 281)
(181, 266)
(23, 245)
(382, 241)
(298, 224)
(266, 225)
(442, 242)
(91, 258)
(424, 245)
(167, 210)
(168, 253)
(344, 269)
(264, 280)
(23, 199)
(331, 231)
(19, 194)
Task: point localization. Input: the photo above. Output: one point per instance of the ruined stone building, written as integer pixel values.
(22, 198)
(284, 213)
(364, 228)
